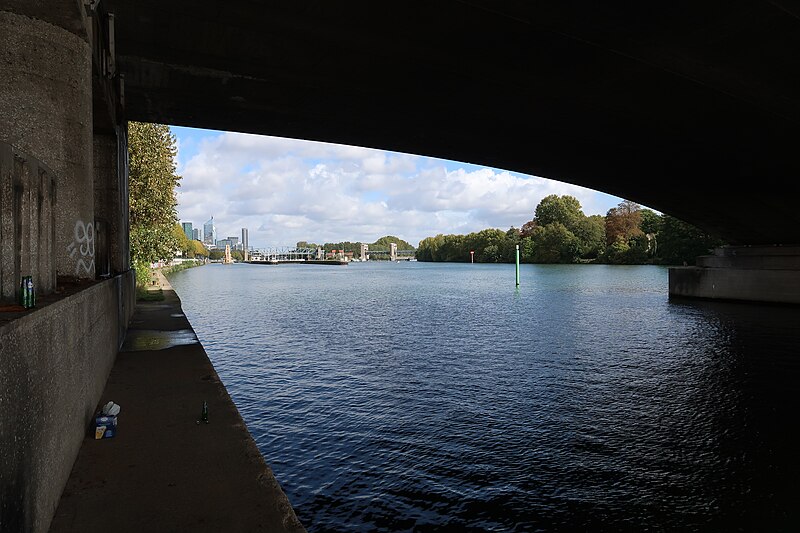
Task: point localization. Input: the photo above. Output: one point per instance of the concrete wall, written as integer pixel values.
(46, 112)
(54, 363)
(63, 158)
(27, 223)
(750, 274)
(111, 209)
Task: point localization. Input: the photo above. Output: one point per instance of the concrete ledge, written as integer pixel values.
(761, 251)
(751, 285)
(163, 471)
(768, 274)
(753, 257)
(54, 361)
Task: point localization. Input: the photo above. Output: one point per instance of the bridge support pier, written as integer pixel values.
(63, 214)
(46, 103)
(769, 274)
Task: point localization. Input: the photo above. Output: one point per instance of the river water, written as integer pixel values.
(439, 397)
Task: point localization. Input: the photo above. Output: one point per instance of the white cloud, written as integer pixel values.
(286, 190)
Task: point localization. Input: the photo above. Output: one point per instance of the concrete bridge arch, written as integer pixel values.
(690, 108)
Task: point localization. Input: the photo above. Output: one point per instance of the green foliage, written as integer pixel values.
(617, 251)
(181, 242)
(184, 265)
(489, 245)
(679, 242)
(561, 233)
(565, 210)
(344, 245)
(591, 235)
(143, 274)
(153, 205)
(526, 250)
(632, 251)
(651, 222)
(554, 243)
(197, 249)
(383, 243)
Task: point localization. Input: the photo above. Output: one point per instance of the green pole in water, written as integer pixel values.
(518, 265)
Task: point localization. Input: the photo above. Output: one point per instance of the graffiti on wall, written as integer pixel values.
(82, 248)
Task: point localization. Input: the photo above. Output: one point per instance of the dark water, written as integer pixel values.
(431, 397)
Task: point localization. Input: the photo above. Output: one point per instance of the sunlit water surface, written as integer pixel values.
(435, 397)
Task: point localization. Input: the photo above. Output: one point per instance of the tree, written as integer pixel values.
(153, 204)
(383, 243)
(554, 243)
(508, 249)
(651, 222)
(181, 242)
(679, 242)
(198, 249)
(527, 228)
(565, 210)
(526, 247)
(591, 234)
(487, 245)
(623, 221)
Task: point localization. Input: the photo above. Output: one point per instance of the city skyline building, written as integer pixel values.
(210, 232)
(197, 234)
(187, 230)
(222, 243)
(245, 243)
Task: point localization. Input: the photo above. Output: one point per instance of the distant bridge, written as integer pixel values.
(293, 254)
(284, 254)
(399, 255)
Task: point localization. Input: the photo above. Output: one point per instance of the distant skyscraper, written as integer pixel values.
(197, 234)
(245, 239)
(187, 230)
(209, 232)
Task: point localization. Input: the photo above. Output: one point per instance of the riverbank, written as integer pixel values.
(154, 290)
(163, 471)
(178, 267)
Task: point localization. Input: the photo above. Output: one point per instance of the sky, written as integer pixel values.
(286, 190)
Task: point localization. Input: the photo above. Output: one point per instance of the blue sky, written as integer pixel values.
(287, 190)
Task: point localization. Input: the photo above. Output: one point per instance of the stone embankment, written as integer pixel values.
(164, 471)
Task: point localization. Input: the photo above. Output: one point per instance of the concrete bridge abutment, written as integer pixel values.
(46, 103)
(63, 220)
(768, 274)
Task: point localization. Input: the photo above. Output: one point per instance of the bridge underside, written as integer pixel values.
(690, 108)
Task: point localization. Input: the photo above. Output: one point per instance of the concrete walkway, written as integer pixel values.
(163, 471)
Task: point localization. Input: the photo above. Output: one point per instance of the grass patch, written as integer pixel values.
(144, 295)
(180, 266)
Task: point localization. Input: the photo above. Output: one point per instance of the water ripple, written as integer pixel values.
(418, 397)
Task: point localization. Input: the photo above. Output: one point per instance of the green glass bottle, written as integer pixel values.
(31, 293)
(23, 288)
(204, 413)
